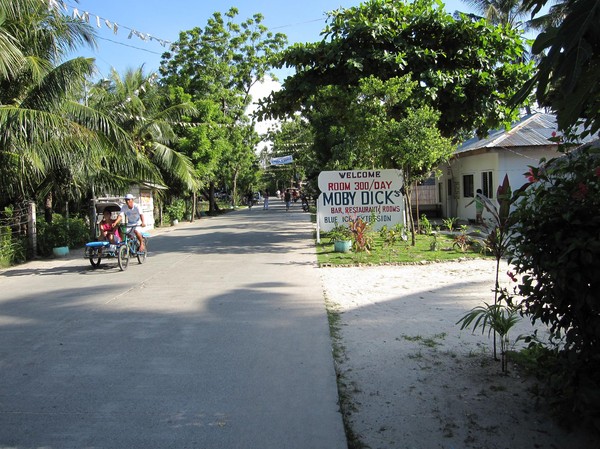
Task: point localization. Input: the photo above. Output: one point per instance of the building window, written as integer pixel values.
(468, 186)
(450, 187)
(486, 182)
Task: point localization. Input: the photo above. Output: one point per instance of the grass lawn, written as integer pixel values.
(401, 253)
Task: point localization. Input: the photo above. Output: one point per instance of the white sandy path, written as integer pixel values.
(408, 394)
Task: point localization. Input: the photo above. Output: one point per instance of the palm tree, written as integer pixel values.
(139, 106)
(500, 12)
(46, 134)
(11, 57)
(513, 12)
(553, 18)
(35, 37)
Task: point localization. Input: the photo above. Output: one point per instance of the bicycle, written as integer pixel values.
(129, 248)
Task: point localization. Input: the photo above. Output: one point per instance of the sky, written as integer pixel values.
(300, 20)
(121, 47)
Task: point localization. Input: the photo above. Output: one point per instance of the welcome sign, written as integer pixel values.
(351, 194)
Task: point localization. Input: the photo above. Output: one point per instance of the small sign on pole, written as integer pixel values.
(284, 160)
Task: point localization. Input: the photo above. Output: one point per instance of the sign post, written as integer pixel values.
(375, 196)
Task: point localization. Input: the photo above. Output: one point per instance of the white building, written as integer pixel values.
(144, 197)
(483, 163)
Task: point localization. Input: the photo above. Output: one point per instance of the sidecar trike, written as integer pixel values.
(125, 246)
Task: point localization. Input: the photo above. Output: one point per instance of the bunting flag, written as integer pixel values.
(282, 160)
(56, 4)
(85, 16)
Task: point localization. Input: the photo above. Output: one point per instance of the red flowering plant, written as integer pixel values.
(362, 241)
(531, 175)
(497, 242)
(556, 252)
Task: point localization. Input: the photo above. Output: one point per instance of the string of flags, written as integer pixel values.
(86, 16)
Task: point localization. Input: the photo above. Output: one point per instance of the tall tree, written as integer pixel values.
(379, 128)
(294, 137)
(566, 78)
(464, 69)
(240, 161)
(206, 141)
(219, 64)
(408, 139)
(11, 56)
(45, 133)
(34, 36)
(500, 12)
(137, 103)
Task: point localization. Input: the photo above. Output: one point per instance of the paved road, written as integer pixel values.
(220, 340)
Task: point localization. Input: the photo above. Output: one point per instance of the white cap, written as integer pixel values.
(129, 196)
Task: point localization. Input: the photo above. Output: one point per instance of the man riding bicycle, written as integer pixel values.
(135, 219)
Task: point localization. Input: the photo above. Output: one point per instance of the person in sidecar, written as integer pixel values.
(107, 231)
(135, 219)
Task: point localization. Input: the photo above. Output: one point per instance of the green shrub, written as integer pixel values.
(166, 219)
(390, 237)
(13, 250)
(557, 249)
(176, 210)
(72, 232)
(5, 246)
(450, 223)
(339, 233)
(425, 225)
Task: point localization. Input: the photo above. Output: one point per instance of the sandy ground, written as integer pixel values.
(415, 379)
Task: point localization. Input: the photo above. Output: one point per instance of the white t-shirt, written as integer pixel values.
(133, 216)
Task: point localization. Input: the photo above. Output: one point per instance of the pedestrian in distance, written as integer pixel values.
(266, 200)
(287, 197)
(478, 206)
(304, 199)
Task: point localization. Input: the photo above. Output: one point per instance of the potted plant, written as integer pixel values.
(341, 237)
(57, 236)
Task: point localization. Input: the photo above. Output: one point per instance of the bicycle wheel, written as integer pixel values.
(123, 257)
(95, 258)
(141, 257)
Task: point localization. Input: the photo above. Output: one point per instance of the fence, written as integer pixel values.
(425, 199)
(17, 233)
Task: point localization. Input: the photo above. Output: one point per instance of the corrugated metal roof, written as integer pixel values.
(532, 130)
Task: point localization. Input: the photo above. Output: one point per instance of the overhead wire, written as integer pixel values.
(147, 36)
(115, 26)
(128, 45)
